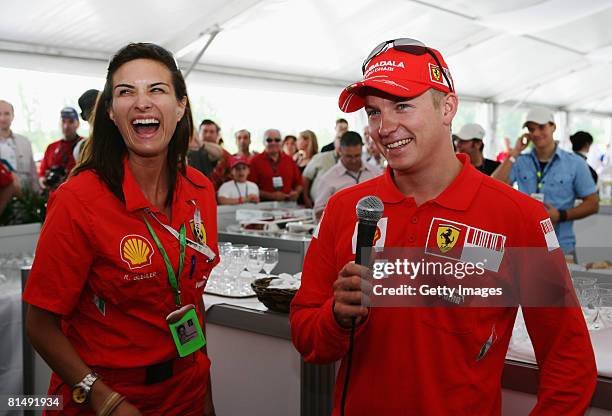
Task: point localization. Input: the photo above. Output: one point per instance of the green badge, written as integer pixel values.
(187, 334)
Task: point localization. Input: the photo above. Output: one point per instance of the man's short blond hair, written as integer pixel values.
(437, 96)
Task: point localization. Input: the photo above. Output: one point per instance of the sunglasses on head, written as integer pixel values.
(407, 45)
(273, 139)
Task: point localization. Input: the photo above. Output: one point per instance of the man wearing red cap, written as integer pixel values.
(433, 361)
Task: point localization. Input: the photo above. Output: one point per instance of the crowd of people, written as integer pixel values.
(139, 197)
(294, 169)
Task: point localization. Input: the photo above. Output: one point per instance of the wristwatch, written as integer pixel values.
(81, 390)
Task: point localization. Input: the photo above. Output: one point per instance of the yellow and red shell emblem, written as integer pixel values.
(136, 251)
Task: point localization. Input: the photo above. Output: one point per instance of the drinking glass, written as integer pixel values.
(255, 261)
(270, 259)
(605, 310)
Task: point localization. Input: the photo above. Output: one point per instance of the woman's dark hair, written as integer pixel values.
(580, 139)
(105, 148)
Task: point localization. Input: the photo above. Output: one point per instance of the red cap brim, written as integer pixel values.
(352, 99)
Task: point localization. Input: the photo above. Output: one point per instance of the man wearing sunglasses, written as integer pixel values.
(434, 360)
(276, 174)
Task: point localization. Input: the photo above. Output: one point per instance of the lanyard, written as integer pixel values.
(200, 248)
(172, 278)
(275, 163)
(246, 192)
(539, 173)
(355, 178)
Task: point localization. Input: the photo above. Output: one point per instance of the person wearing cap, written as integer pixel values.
(470, 140)
(350, 170)
(434, 360)
(275, 173)
(58, 160)
(16, 150)
(239, 190)
(551, 175)
(87, 103)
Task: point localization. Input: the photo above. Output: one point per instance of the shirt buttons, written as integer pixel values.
(414, 220)
(411, 238)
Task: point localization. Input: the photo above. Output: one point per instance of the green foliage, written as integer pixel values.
(26, 208)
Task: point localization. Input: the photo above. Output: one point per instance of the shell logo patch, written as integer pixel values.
(447, 236)
(380, 235)
(199, 233)
(136, 251)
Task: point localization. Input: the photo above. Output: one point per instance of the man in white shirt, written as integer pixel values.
(350, 170)
(238, 190)
(16, 150)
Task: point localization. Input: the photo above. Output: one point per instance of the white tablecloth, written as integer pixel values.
(11, 357)
(602, 346)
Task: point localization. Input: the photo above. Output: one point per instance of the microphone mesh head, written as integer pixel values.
(370, 209)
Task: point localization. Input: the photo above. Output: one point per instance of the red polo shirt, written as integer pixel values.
(97, 266)
(263, 169)
(426, 361)
(59, 153)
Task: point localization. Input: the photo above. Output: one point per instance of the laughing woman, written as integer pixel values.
(125, 252)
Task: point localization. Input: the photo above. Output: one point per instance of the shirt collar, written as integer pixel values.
(558, 153)
(458, 195)
(184, 191)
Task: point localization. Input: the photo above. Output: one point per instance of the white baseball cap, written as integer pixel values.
(471, 131)
(539, 115)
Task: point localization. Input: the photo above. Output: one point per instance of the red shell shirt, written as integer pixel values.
(417, 361)
(263, 169)
(59, 153)
(95, 248)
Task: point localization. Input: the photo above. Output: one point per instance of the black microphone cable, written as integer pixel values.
(369, 211)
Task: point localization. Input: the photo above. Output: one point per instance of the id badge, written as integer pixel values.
(538, 196)
(277, 183)
(186, 332)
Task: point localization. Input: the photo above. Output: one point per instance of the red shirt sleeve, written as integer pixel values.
(44, 163)
(63, 257)
(559, 335)
(314, 330)
(253, 177)
(6, 177)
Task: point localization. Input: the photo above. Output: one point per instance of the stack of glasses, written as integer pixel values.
(10, 266)
(596, 301)
(239, 265)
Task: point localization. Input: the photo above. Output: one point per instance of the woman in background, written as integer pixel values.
(307, 147)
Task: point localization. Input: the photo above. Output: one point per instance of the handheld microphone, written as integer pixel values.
(369, 211)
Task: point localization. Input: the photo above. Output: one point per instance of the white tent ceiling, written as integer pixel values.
(555, 52)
